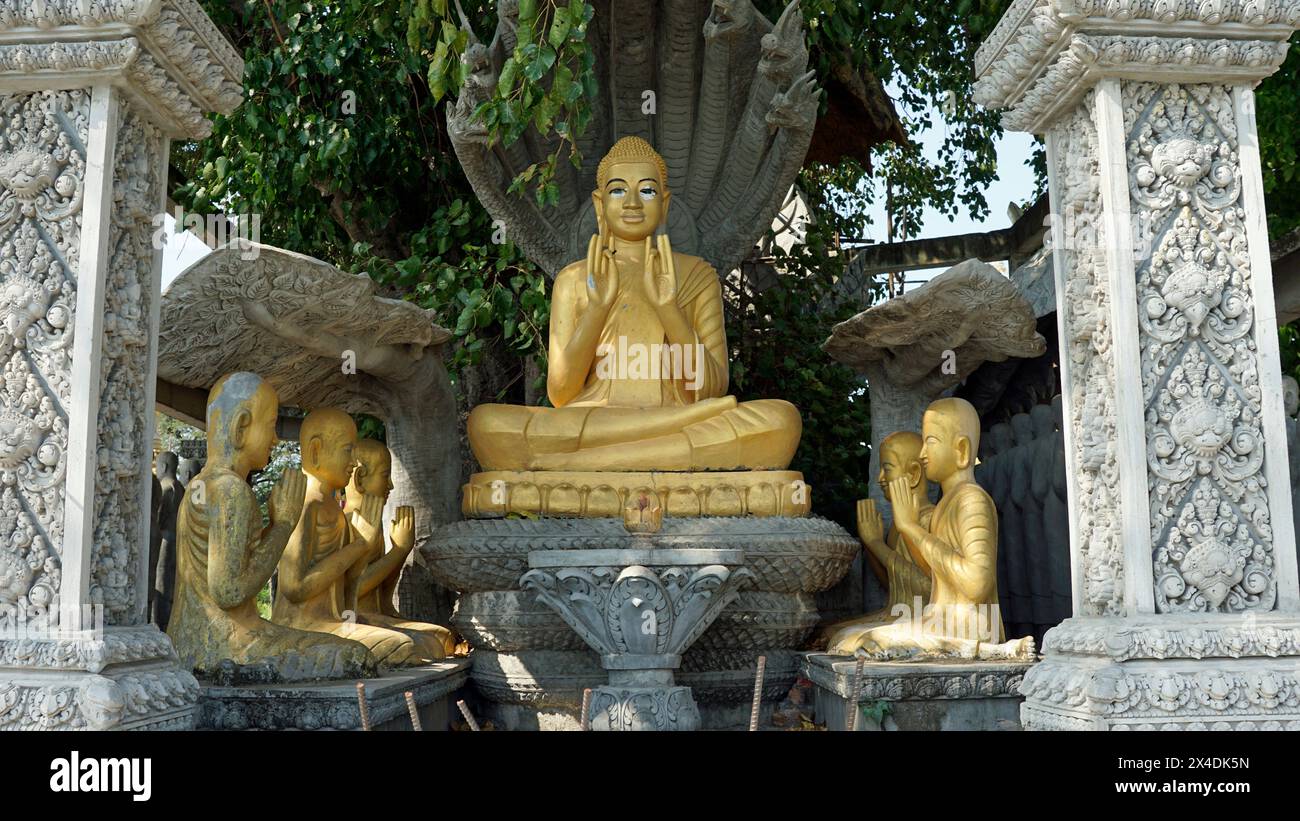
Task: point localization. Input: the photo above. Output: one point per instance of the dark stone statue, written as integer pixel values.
(162, 571)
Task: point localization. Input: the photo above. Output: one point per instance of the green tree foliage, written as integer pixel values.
(1278, 115)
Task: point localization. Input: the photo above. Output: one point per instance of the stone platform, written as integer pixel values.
(530, 668)
(332, 705)
(922, 695)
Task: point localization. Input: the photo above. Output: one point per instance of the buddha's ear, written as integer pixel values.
(668, 199)
(915, 474)
(311, 452)
(239, 430)
(964, 456)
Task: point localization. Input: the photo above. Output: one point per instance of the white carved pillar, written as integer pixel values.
(91, 95)
(1186, 602)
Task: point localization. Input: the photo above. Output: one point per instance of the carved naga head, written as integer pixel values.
(784, 54)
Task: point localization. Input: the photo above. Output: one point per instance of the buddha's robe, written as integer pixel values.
(434, 641)
(212, 622)
(647, 405)
(906, 580)
(324, 610)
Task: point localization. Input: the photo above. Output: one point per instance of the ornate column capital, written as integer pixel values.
(167, 56)
(1045, 55)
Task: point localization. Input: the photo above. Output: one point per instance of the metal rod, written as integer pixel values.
(415, 714)
(758, 694)
(469, 717)
(365, 708)
(585, 719)
(854, 693)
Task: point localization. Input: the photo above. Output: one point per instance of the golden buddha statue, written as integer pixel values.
(908, 585)
(638, 363)
(378, 582)
(328, 551)
(957, 549)
(224, 556)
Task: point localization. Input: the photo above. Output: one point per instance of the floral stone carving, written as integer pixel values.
(640, 620)
(1183, 523)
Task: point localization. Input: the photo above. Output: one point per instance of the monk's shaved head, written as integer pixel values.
(958, 417)
(903, 444)
(327, 423)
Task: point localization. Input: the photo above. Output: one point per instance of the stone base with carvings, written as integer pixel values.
(922, 695)
(530, 668)
(542, 689)
(604, 494)
(332, 705)
(643, 708)
(126, 679)
(1193, 672)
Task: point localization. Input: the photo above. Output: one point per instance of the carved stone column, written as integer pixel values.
(91, 94)
(1182, 542)
(640, 609)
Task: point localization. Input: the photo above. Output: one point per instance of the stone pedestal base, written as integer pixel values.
(530, 668)
(605, 494)
(126, 679)
(922, 695)
(1193, 672)
(332, 705)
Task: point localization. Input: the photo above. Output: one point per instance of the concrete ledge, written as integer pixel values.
(332, 705)
(922, 695)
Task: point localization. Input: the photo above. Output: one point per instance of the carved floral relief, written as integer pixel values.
(1205, 443)
(42, 167)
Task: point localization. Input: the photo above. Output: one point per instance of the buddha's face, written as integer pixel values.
(260, 436)
(946, 449)
(375, 473)
(331, 455)
(633, 202)
(895, 464)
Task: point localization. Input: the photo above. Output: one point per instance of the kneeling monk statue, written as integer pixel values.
(908, 583)
(637, 354)
(224, 556)
(322, 565)
(957, 549)
(373, 479)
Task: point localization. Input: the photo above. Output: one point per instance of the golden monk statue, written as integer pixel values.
(958, 550)
(225, 556)
(908, 584)
(378, 582)
(326, 556)
(637, 354)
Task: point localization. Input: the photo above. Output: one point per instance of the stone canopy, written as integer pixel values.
(971, 310)
(292, 319)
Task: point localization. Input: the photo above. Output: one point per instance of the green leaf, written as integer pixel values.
(506, 80)
(559, 31)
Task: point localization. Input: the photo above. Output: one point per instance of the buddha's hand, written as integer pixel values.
(602, 272)
(367, 520)
(660, 273)
(403, 529)
(870, 527)
(287, 498)
(902, 497)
